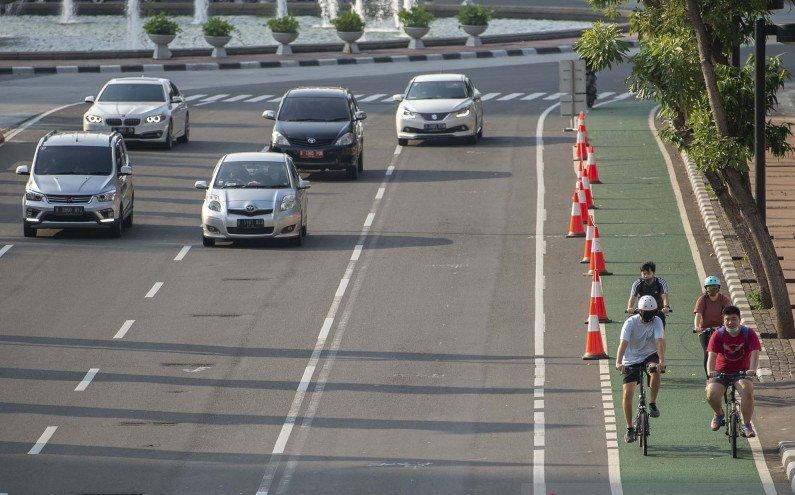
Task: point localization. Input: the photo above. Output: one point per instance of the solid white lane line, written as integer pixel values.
(182, 252)
(398, 149)
(123, 330)
(489, 96)
(369, 220)
(532, 96)
(87, 379)
(390, 169)
(604, 95)
(613, 465)
(5, 249)
(258, 98)
(194, 97)
(358, 96)
(539, 320)
(380, 193)
(357, 251)
(372, 97)
(24, 125)
(43, 439)
(553, 96)
(154, 289)
(236, 98)
(622, 96)
(509, 97)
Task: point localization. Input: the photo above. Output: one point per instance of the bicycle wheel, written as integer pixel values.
(734, 426)
(643, 431)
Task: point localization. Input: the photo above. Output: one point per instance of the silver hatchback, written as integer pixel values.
(252, 196)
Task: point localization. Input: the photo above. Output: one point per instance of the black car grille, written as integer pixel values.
(318, 142)
(61, 198)
(417, 130)
(254, 231)
(113, 122)
(52, 217)
(253, 213)
(132, 122)
(429, 116)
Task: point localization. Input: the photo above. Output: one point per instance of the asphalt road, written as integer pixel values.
(425, 383)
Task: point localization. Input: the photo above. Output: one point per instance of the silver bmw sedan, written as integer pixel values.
(254, 195)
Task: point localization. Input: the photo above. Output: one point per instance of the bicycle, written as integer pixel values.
(642, 417)
(732, 408)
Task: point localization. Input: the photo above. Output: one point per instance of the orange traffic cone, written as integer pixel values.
(582, 145)
(594, 349)
(581, 122)
(593, 171)
(581, 200)
(586, 252)
(576, 228)
(586, 186)
(596, 306)
(597, 256)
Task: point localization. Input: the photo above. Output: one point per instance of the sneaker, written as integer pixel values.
(717, 422)
(631, 435)
(748, 430)
(653, 411)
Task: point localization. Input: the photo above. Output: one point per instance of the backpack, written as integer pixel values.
(744, 330)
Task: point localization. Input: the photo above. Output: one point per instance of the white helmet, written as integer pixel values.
(647, 303)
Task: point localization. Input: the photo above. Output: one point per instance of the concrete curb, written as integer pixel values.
(787, 451)
(725, 260)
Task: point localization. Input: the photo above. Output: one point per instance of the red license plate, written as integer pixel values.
(310, 154)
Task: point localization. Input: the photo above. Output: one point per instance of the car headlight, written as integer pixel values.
(409, 113)
(155, 119)
(94, 119)
(279, 140)
(34, 196)
(106, 197)
(288, 202)
(464, 112)
(345, 139)
(214, 205)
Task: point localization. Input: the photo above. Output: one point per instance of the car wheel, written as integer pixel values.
(352, 171)
(115, 228)
(360, 161)
(28, 231)
(480, 131)
(128, 221)
(185, 138)
(403, 142)
(297, 240)
(303, 231)
(208, 241)
(169, 142)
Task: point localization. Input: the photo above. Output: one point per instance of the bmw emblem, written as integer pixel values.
(311, 140)
(434, 116)
(250, 208)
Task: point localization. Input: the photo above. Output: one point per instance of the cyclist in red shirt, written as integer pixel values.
(732, 348)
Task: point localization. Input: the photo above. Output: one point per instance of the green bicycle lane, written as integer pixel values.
(639, 220)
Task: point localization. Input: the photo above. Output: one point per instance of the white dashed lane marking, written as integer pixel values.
(532, 96)
(43, 439)
(87, 380)
(194, 97)
(489, 96)
(5, 249)
(154, 289)
(236, 98)
(123, 330)
(509, 96)
(372, 97)
(182, 252)
(258, 98)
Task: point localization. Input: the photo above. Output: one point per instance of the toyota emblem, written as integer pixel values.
(434, 116)
(311, 140)
(250, 208)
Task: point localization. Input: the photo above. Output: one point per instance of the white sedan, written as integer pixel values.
(254, 195)
(438, 106)
(144, 109)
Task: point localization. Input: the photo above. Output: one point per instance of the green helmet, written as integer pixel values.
(711, 280)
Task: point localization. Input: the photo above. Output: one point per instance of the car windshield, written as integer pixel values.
(437, 90)
(132, 92)
(314, 109)
(73, 160)
(269, 175)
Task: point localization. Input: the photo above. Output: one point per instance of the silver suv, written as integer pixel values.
(78, 180)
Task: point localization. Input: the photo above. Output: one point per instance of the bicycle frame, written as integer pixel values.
(732, 408)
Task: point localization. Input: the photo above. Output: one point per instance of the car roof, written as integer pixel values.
(439, 77)
(78, 138)
(319, 91)
(255, 156)
(139, 80)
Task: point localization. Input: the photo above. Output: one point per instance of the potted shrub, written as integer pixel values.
(416, 23)
(350, 27)
(474, 20)
(217, 32)
(285, 31)
(162, 31)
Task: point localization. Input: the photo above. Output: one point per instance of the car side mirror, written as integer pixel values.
(201, 184)
(397, 98)
(89, 99)
(476, 94)
(269, 114)
(304, 184)
(177, 99)
(125, 170)
(23, 170)
(360, 115)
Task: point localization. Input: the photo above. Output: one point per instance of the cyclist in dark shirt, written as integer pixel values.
(650, 285)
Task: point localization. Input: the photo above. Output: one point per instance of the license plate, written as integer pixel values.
(435, 127)
(310, 153)
(69, 210)
(125, 131)
(250, 223)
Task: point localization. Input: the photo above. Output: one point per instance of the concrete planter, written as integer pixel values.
(416, 34)
(350, 37)
(474, 33)
(161, 42)
(218, 43)
(284, 40)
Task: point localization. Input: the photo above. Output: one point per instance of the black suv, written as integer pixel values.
(321, 129)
